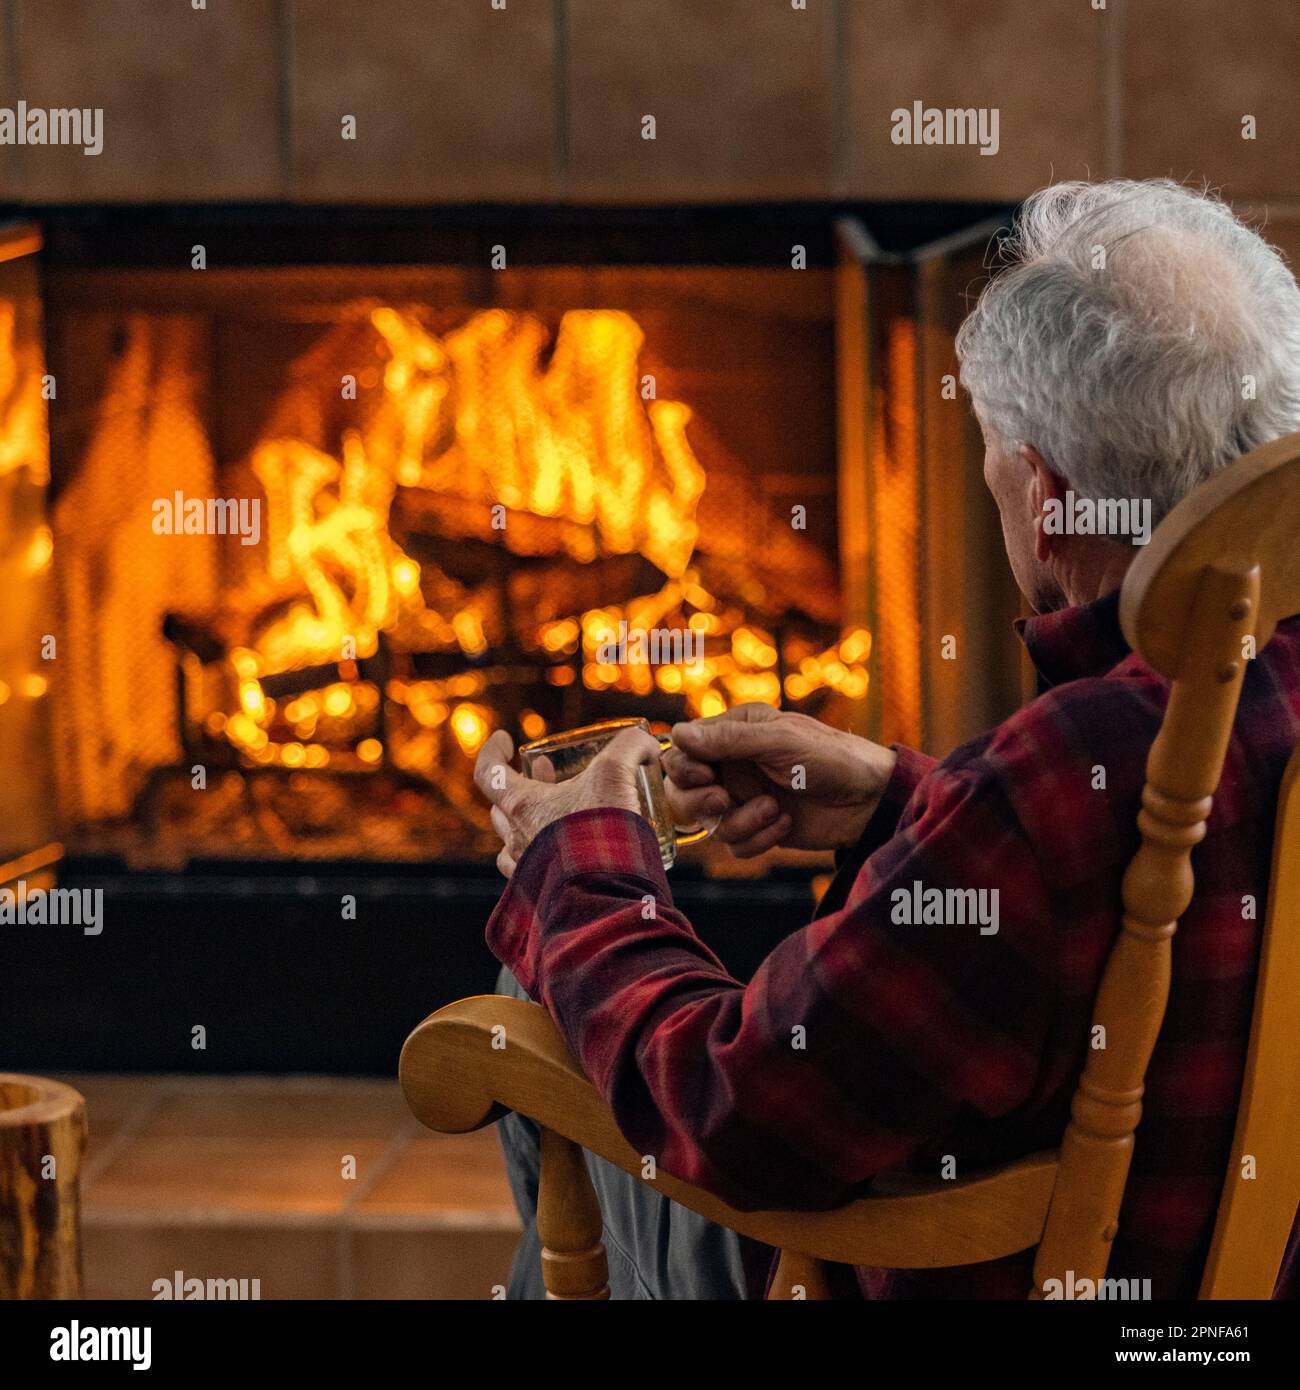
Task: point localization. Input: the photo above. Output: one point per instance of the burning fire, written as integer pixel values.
(576, 440)
(23, 439)
(571, 455)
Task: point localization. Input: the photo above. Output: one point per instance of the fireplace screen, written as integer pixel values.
(319, 533)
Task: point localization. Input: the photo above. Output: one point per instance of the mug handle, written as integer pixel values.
(687, 837)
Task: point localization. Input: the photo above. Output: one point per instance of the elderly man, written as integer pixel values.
(1140, 339)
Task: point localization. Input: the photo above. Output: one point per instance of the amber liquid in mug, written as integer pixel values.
(569, 753)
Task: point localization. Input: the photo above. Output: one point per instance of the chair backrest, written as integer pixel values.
(1197, 604)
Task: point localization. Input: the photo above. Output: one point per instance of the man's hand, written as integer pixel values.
(522, 807)
(775, 778)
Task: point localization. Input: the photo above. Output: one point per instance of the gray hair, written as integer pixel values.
(1125, 335)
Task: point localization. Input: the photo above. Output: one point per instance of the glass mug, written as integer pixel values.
(558, 757)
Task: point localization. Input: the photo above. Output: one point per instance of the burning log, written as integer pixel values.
(195, 636)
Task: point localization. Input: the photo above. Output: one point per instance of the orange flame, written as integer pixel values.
(474, 417)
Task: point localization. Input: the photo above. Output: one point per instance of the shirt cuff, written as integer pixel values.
(604, 840)
(909, 769)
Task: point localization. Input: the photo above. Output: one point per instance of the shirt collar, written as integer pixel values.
(1075, 642)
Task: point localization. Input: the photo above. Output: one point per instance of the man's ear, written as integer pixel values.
(1044, 487)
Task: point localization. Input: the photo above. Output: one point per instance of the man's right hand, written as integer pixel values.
(776, 778)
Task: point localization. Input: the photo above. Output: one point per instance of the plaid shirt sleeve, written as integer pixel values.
(861, 1038)
(909, 769)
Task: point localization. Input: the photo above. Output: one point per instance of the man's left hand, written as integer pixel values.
(522, 807)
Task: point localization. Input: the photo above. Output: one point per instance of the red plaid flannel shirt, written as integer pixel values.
(921, 1042)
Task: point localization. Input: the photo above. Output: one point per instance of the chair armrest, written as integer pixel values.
(470, 1062)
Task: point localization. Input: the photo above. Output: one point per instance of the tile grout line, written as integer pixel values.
(1285, 209)
(345, 1264)
(284, 95)
(407, 1130)
(129, 1131)
(560, 96)
(839, 170)
(13, 76)
(475, 1220)
(1114, 51)
(345, 1281)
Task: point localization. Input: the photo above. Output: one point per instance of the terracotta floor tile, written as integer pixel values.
(281, 1107)
(224, 1179)
(445, 1174)
(124, 1262)
(112, 1101)
(241, 1178)
(430, 1264)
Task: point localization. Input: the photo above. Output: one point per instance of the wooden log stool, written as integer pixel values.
(42, 1136)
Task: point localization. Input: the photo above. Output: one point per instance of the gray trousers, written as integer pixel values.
(656, 1249)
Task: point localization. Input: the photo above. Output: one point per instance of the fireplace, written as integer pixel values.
(468, 480)
(325, 503)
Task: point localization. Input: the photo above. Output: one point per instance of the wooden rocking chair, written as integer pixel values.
(1207, 592)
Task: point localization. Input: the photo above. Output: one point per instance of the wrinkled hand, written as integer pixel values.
(776, 778)
(523, 807)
